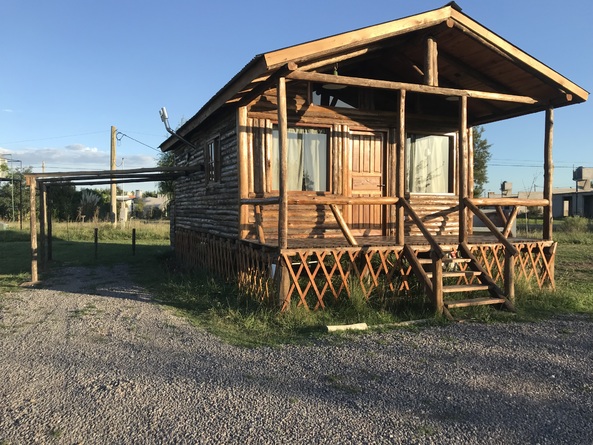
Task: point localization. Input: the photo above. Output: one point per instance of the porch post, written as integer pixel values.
(401, 168)
(548, 174)
(283, 283)
(33, 225)
(470, 177)
(283, 143)
(42, 222)
(463, 158)
(49, 250)
(242, 159)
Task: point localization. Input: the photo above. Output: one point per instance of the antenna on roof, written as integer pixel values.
(165, 119)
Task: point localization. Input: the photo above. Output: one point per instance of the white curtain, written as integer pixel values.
(307, 159)
(427, 164)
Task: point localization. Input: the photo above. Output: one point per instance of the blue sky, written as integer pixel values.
(73, 68)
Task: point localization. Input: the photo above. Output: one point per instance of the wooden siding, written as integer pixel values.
(439, 213)
(209, 208)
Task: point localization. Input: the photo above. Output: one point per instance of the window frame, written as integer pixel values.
(452, 160)
(327, 131)
(212, 160)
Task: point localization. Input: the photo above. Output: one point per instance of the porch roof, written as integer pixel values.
(470, 57)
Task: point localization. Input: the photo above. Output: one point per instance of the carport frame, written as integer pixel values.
(40, 253)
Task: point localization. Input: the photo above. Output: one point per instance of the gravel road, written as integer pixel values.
(90, 359)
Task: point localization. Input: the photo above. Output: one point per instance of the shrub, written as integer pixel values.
(575, 224)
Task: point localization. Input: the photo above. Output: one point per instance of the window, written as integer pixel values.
(307, 159)
(212, 161)
(429, 163)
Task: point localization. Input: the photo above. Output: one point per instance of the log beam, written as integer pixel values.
(416, 88)
(343, 225)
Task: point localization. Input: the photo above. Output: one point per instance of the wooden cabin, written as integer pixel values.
(346, 162)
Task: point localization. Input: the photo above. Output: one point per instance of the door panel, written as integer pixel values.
(367, 159)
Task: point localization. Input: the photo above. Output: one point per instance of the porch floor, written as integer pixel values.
(418, 242)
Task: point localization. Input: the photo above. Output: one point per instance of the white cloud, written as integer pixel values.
(75, 157)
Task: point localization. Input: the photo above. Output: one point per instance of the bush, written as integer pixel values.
(575, 224)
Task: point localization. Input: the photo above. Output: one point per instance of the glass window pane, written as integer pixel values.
(307, 159)
(427, 164)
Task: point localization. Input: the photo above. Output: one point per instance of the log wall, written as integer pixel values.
(209, 207)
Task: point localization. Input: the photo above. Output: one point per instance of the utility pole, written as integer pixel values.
(113, 216)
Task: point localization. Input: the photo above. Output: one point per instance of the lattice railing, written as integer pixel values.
(535, 261)
(318, 277)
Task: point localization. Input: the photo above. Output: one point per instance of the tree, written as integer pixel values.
(64, 201)
(481, 157)
(16, 198)
(167, 188)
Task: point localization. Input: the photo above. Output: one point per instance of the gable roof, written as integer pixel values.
(470, 57)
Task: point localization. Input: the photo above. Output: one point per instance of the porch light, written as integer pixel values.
(333, 86)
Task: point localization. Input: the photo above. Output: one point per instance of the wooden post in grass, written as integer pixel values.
(33, 225)
(42, 223)
(96, 242)
(49, 229)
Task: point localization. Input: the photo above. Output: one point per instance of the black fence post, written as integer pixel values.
(96, 242)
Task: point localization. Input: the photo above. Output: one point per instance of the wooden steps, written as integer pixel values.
(465, 288)
(481, 301)
(460, 273)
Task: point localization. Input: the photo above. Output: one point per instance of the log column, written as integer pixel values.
(243, 161)
(401, 168)
(33, 225)
(42, 223)
(431, 71)
(283, 145)
(463, 169)
(548, 174)
(283, 283)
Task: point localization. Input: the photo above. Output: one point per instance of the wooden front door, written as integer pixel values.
(367, 178)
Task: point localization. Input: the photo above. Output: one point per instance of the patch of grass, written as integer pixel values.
(87, 310)
(241, 321)
(219, 309)
(55, 433)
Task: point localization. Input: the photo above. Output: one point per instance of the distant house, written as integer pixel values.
(154, 205)
(346, 162)
(573, 202)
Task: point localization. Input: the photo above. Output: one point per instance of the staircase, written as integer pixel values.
(458, 272)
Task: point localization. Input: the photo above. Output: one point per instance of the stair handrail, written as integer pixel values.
(488, 223)
(436, 248)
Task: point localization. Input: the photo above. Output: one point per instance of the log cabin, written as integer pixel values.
(346, 164)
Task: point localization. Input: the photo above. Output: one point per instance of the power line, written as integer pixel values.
(119, 135)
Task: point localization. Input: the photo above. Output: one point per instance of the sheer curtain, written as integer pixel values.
(427, 164)
(307, 159)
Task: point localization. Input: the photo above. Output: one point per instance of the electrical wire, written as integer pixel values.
(119, 136)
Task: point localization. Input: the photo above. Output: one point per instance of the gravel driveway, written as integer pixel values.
(89, 359)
